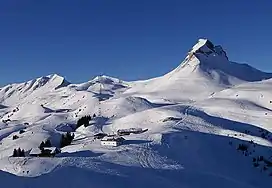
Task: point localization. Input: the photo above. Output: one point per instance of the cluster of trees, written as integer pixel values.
(15, 137)
(47, 153)
(5, 121)
(242, 147)
(66, 139)
(85, 120)
(259, 161)
(266, 163)
(18, 153)
(47, 143)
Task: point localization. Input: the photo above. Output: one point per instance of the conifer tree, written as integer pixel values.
(47, 143)
(19, 152)
(42, 145)
(15, 153)
(23, 153)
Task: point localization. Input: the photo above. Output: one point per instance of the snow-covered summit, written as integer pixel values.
(38, 86)
(105, 84)
(210, 61)
(207, 68)
(58, 80)
(205, 46)
(54, 80)
(106, 79)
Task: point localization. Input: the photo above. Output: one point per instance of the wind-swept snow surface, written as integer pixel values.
(207, 123)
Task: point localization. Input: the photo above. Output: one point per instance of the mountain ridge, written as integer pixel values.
(204, 50)
(205, 64)
(197, 125)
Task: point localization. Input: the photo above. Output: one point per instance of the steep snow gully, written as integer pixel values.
(207, 123)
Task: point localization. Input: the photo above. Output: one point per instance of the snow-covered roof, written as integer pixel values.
(35, 151)
(112, 138)
(130, 130)
(52, 149)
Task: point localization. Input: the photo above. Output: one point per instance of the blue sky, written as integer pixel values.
(128, 39)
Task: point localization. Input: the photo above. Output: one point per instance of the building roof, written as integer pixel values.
(130, 130)
(35, 151)
(113, 139)
(52, 149)
(100, 134)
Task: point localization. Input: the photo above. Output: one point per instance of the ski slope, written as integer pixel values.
(196, 116)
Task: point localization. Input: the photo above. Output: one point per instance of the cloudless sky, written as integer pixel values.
(128, 39)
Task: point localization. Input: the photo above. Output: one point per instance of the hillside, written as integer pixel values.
(207, 123)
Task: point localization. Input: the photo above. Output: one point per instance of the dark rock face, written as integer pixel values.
(220, 51)
(209, 48)
(209, 44)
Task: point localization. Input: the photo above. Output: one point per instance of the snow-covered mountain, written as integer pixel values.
(14, 93)
(206, 67)
(208, 124)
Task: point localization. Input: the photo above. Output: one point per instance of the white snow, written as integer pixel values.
(196, 117)
(35, 151)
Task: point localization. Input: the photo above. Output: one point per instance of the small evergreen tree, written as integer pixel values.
(15, 153)
(22, 153)
(242, 147)
(15, 137)
(84, 121)
(69, 138)
(47, 143)
(42, 145)
(19, 152)
(66, 139)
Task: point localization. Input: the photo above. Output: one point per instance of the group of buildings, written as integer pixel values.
(116, 140)
(105, 140)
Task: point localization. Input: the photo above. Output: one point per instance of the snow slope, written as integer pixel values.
(196, 116)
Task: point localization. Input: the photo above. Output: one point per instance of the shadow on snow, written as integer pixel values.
(231, 124)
